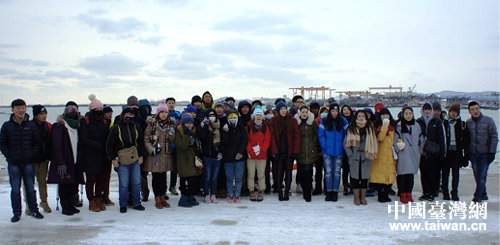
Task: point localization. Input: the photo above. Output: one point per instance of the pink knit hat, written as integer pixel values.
(162, 107)
(94, 102)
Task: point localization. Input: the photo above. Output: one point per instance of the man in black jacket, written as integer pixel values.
(434, 151)
(20, 143)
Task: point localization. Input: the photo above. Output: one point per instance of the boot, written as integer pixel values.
(286, 196)
(446, 195)
(45, 206)
(317, 191)
(335, 196)
(253, 198)
(77, 202)
(158, 203)
(386, 194)
(381, 196)
(346, 191)
(362, 197)
(193, 201)
(280, 195)
(163, 199)
(409, 197)
(403, 197)
(328, 196)
(108, 201)
(93, 206)
(184, 202)
(100, 204)
(357, 193)
(260, 197)
(454, 196)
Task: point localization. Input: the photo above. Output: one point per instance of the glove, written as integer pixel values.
(62, 170)
(206, 121)
(225, 128)
(491, 157)
(386, 122)
(219, 156)
(239, 156)
(400, 145)
(171, 132)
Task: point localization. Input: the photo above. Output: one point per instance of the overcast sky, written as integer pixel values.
(54, 51)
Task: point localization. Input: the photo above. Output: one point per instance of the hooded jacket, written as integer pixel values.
(309, 144)
(234, 141)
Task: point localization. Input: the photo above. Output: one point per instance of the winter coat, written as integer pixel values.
(309, 144)
(45, 130)
(293, 136)
(92, 137)
(483, 135)
(434, 132)
(409, 158)
(62, 153)
(19, 143)
(332, 142)
(357, 159)
(384, 166)
(462, 139)
(163, 159)
(131, 135)
(206, 135)
(234, 141)
(263, 140)
(185, 154)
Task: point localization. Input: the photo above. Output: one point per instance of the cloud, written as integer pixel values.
(28, 76)
(174, 3)
(8, 45)
(124, 28)
(112, 64)
(24, 62)
(241, 46)
(155, 41)
(265, 24)
(97, 11)
(6, 71)
(64, 74)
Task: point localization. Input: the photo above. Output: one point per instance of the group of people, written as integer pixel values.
(224, 150)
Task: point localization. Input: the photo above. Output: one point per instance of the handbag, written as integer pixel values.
(394, 154)
(198, 162)
(128, 155)
(431, 148)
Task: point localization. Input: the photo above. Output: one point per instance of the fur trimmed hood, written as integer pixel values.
(310, 118)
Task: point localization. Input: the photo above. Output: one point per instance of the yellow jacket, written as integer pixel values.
(384, 167)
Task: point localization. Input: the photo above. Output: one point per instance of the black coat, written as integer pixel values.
(93, 136)
(45, 130)
(113, 143)
(19, 143)
(434, 133)
(234, 141)
(206, 136)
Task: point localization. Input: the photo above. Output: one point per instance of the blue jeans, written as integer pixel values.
(480, 167)
(210, 174)
(129, 175)
(25, 172)
(332, 169)
(234, 172)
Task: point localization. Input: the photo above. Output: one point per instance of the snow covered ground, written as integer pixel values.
(267, 222)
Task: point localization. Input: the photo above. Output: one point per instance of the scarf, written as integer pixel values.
(453, 142)
(215, 126)
(371, 146)
(73, 138)
(72, 123)
(427, 119)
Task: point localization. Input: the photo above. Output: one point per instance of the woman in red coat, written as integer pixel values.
(259, 140)
(285, 146)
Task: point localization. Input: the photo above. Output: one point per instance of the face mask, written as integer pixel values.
(269, 116)
(73, 115)
(212, 119)
(233, 121)
(385, 117)
(323, 115)
(129, 119)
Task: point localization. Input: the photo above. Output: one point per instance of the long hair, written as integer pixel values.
(283, 124)
(378, 120)
(263, 128)
(353, 127)
(333, 122)
(404, 123)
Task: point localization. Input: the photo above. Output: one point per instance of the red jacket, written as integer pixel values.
(258, 138)
(293, 137)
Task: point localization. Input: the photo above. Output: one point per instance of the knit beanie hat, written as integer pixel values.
(191, 108)
(94, 102)
(257, 111)
(144, 102)
(334, 106)
(132, 100)
(455, 107)
(107, 108)
(279, 105)
(195, 98)
(379, 106)
(37, 109)
(162, 107)
(278, 100)
(186, 118)
(436, 106)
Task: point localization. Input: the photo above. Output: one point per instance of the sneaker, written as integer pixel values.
(15, 218)
(45, 206)
(207, 199)
(36, 215)
(123, 210)
(139, 208)
(213, 198)
(230, 200)
(173, 191)
(237, 199)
